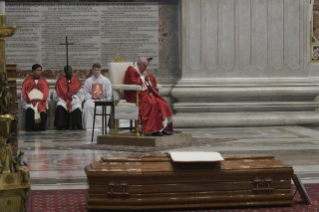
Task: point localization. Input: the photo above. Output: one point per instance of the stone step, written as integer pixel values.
(206, 93)
(245, 106)
(241, 119)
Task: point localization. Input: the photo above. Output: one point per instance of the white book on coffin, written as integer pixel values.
(180, 157)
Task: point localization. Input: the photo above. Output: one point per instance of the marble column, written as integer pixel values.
(245, 63)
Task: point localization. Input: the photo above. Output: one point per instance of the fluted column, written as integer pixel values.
(243, 60)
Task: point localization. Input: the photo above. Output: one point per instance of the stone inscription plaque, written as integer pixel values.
(99, 32)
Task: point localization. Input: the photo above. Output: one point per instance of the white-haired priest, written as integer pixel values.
(155, 113)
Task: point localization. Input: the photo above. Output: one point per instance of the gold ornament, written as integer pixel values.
(119, 59)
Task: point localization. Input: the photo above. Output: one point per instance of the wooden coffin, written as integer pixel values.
(145, 183)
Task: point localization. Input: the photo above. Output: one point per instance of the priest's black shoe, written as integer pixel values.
(166, 132)
(157, 134)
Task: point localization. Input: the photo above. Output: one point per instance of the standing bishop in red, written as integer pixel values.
(154, 111)
(37, 105)
(69, 96)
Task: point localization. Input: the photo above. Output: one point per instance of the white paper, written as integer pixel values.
(196, 156)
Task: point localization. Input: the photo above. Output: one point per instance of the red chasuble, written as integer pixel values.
(29, 84)
(61, 88)
(153, 108)
(153, 80)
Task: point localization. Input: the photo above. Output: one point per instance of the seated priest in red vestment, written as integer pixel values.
(68, 95)
(35, 100)
(154, 111)
(169, 127)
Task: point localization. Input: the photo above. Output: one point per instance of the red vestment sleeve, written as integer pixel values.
(61, 88)
(153, 80)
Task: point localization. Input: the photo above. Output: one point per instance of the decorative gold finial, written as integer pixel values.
(119, 59)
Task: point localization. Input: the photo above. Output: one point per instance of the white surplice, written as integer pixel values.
(76, 103)
(88, 109)
(26, 105)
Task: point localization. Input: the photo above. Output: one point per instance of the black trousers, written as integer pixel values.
(30, 124)
(64, 119)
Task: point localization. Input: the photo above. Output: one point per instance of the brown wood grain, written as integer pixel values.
(202, 193)
(189, 187)
(172, 177)
(189, 205)
(187, 199)
(168, 166)
(158, 183)
(167, 158)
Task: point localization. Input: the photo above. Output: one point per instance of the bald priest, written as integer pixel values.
(155, 113)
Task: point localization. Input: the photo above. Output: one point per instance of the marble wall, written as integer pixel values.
(236, 62)
(243, 38)
(168, 71)
(245, 63)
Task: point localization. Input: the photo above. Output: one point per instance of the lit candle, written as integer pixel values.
(2, 7)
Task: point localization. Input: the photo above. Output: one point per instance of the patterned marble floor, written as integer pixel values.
(54, 167)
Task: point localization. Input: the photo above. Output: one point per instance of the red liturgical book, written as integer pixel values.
(97, 91)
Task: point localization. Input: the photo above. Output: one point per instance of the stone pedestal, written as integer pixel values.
(245, 63)
(152, 141)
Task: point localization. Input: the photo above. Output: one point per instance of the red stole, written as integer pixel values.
(132, 77)
(29, 84)
(61, 88)
(152, 79)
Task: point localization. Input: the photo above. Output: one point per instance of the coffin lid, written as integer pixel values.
(162, 163)
(161, 158)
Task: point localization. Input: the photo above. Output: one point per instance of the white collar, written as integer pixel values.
(134, 65)
(100, 77)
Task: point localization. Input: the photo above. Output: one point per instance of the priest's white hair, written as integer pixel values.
(142, 60)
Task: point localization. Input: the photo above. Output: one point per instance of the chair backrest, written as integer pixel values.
(117, 73)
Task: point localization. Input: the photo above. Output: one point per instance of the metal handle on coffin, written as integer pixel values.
(118, 189)
(257, 182)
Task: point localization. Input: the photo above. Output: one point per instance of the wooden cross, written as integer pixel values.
(67, 49)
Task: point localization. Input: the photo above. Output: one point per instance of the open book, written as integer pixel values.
(97, 91)
(195, 156)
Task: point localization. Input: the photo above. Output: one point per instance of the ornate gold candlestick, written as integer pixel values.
(6, 101)
(14, 180)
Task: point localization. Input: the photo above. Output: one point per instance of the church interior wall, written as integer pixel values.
(234, 63)
(167, 74)
(246, 63)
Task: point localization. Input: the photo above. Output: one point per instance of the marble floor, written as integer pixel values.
(52, 166)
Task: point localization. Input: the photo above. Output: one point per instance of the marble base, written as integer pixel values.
(245, 102)
(204, 120)
(175, 139)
